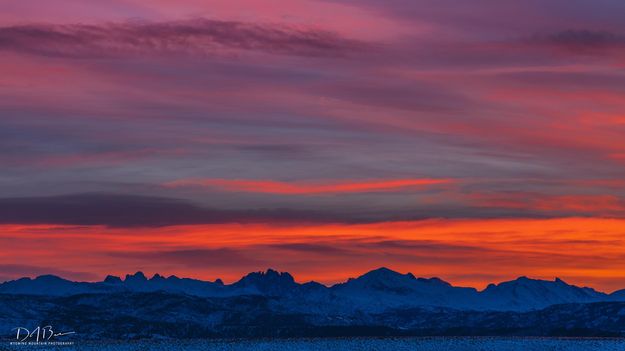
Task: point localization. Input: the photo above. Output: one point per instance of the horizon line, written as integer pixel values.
(269, 269)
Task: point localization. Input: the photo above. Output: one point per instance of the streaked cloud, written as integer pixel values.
(322, 137)
(601, 205)
(582, 41)
(116, 210)
(205, 257)
(311, 188)
(191, 37)
(572, 248)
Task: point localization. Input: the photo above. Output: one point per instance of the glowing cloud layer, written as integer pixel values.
(310, 188)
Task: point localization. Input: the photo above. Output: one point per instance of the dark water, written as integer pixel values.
(355, 344)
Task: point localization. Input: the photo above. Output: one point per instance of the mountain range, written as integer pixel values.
(272, 304)
(376, 291)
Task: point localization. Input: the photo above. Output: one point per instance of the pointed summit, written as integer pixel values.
(381, 279)
(383, 272)
(157, 277)
(111, 279)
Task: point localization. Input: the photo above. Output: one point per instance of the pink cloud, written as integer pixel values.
(311, 188)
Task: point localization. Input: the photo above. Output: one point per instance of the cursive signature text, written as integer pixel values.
(38, 334)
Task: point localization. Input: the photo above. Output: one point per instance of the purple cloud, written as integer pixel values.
(191, 37)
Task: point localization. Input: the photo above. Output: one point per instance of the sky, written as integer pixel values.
(475, 141)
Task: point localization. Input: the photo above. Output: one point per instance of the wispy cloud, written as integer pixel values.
(191, 37)
(563, 204)
(204, 257)
(312, 188)
(581, 40)
(116, 210)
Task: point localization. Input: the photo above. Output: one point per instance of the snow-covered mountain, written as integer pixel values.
(375, 291)
(383, 288)
(531, 294)
(618, 295)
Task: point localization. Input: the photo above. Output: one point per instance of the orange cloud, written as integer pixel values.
(310, 188)
(473, 252)
(600, 183)
(596, 204)
(581, 203)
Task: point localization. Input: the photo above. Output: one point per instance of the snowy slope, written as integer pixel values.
(375, 291)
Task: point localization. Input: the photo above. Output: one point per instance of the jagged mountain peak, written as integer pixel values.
(269, 274)
(139, 276)
(269, 282)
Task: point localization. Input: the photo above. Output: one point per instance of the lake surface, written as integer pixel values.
(352, 344)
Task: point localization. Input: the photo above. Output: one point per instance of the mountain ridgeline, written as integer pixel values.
(376, 290)
(272, 304)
